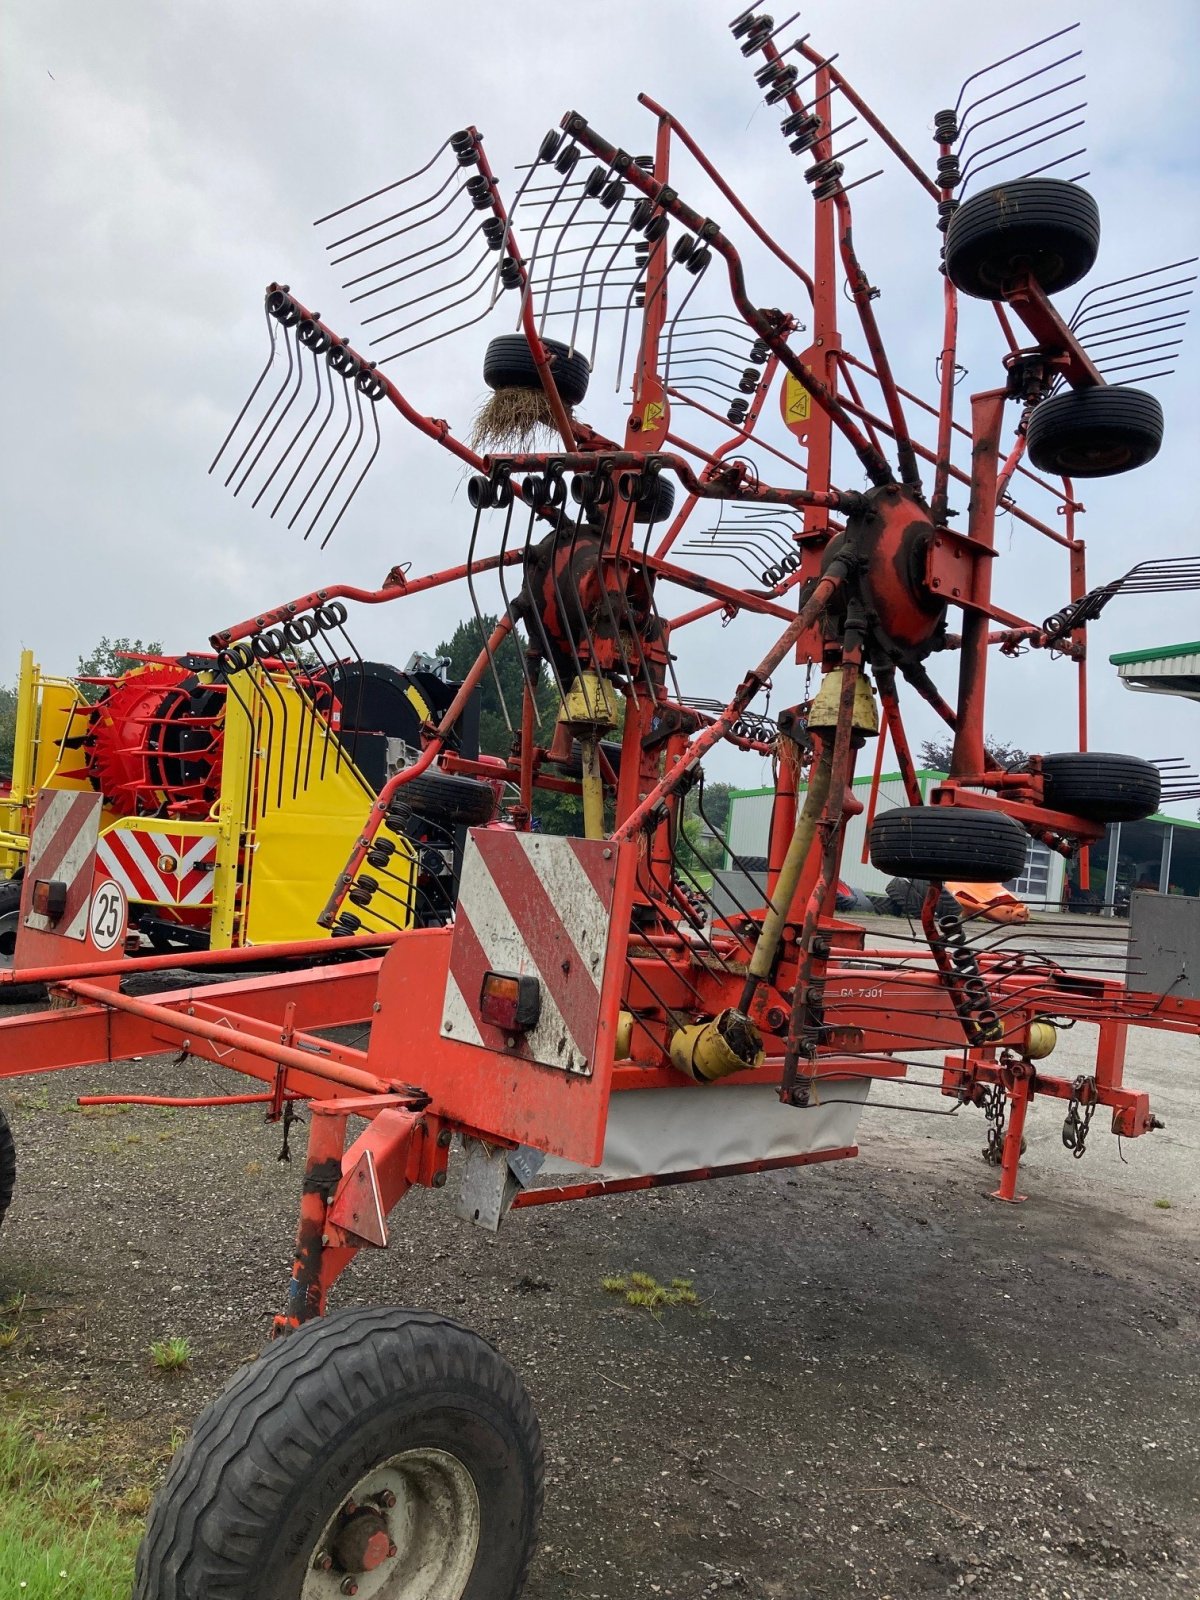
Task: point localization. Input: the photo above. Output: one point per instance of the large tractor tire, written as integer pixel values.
(508, 364)
(1100, 787)
(390, 1454)
(1094, 433)
(440, 797)
(955, 842)
(1045, 227)
(13, 994)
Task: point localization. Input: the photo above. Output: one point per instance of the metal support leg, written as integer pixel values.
(322, 1174)
(1011, 1159)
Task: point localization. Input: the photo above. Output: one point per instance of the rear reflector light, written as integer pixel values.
(510, 1001)
(49, 898)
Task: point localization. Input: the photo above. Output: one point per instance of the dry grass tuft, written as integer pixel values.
(511, 420)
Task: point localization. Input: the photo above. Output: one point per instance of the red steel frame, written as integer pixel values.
(870, 1011)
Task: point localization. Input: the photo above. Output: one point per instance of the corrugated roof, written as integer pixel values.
(1163, 652)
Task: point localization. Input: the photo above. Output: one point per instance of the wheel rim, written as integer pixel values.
(408, 1530)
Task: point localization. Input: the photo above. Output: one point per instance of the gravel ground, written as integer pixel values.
(892, 1387)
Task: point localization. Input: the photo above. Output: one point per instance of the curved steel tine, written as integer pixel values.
(267, 413)
(350, 457)
(609, 216)
(417, 322)
(362, 690)
(1020, 105)
(638, 283)
(296, 436)
(272, 329)
(600, 290)
(374, 411)
(330, 667)
(531, 258)
(1014, 56)
(322, 425)
(396, 215)
(387, 188)
(416, 272)
(1133, 277)
(291, 399)
(508, 226)
(399, 233)
(329, 458)
(442, 288)
(575, 209)
(485, 631)
(444, 334)
(970, 164)
(504, 595)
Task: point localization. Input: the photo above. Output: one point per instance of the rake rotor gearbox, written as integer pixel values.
(887, 545)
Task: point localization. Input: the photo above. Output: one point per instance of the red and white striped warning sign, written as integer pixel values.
(157, 867)
(533, 904)
(61, 850)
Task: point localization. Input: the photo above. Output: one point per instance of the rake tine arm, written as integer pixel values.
(765, 326)
(398, 585)
(747, 216)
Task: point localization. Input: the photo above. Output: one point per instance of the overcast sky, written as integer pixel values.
(162, 162)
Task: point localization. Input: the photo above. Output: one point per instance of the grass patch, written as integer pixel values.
(641, 1290)
(58, 1540)
(10, 1331)
(170, 1355)
(1162, 1205)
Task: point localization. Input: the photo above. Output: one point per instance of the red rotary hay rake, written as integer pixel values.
(579, 1012)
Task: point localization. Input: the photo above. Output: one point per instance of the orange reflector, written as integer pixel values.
(167, 863)
(510, 1001)
(49, 898)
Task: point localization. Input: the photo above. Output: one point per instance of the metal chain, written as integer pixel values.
(1076, 1125)
(995, 1106)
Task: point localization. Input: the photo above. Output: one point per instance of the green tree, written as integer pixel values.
(109, 659)
(1006, 757)
(8, 730)
(557, 813)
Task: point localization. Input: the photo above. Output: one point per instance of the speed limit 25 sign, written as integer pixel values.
(106, 920)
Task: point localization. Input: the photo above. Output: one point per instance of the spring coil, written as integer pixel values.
(970, 994)
(945, 127)
(949, 172)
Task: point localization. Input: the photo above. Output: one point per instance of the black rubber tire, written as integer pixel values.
(1044, 226)
(441, 797)
(508, 364)
(908, 896)
(13, 994)
(1095, 433)
(1100, 787)
(658, 504)
(269, 1461)
(752, 863)
(940, 842)
(8, 1165)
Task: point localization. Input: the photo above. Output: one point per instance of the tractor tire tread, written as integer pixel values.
(1069, 434)
(1061, 214)
(1101, 787)
(293, 1401)
(508, 364)
(955, 842)
(444, 797)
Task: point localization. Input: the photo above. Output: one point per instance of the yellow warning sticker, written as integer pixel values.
(652, 416)
(797, 402)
